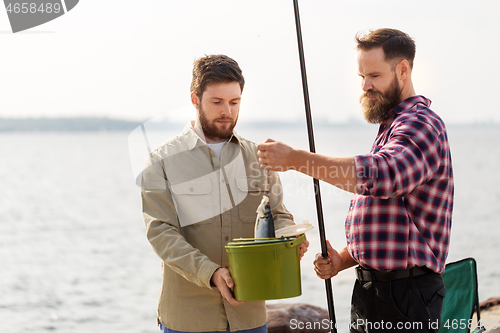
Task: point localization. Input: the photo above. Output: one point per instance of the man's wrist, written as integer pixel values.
(212, 284)
(299, 160)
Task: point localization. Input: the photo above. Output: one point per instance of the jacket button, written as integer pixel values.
(191, 189)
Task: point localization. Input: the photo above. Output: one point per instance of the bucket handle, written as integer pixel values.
(297, 241)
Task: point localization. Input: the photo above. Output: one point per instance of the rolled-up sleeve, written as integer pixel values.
(410, 157)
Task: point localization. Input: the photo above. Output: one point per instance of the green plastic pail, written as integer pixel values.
(264, 269)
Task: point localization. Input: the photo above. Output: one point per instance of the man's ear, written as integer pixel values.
(195, 100)
(403, 69)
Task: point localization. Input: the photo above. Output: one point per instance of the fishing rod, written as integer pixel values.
(319, 207)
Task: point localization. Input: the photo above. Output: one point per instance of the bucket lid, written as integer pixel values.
(287, 241)
(258, 241)
(294, 230)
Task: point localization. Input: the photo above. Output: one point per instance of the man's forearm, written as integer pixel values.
(338, 171)
(347, 260)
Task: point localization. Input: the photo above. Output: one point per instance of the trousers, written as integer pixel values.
(412, 304)
(261, 329)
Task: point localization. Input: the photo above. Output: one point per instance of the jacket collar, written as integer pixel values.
(194, 136)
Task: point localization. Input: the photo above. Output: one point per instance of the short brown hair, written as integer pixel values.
(395, 43)
(215, 69)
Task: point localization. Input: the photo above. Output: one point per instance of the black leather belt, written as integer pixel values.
(366, 275)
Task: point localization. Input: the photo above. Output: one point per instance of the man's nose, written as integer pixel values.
(367, 84)
(226, 109)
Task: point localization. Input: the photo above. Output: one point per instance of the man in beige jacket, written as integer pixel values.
(200, 190)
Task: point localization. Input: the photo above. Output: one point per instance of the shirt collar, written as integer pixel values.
(194, 136)
(405, 105)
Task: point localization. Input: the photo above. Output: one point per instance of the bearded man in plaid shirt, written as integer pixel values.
(399, 221)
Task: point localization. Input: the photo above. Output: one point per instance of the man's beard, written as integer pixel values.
(376, 111)
(214, 132)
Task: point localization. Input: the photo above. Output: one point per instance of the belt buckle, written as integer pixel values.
(359, 274)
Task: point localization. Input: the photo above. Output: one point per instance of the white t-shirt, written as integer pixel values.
(217, 147)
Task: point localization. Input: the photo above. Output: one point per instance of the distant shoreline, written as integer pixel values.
(80, 124)
(97, 124)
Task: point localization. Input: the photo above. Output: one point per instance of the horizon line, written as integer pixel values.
(322, 121)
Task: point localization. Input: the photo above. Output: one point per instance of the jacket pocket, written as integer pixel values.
(194, 201)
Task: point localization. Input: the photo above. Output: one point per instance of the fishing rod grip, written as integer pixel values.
(324, 253)
(331, 309)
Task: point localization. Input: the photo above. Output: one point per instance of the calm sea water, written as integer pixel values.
(73, 251)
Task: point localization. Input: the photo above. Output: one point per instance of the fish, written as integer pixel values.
(264, 224)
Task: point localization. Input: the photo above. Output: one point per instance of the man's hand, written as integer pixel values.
(223, 281)
(328, 267)
(303, 248)
(275, 155)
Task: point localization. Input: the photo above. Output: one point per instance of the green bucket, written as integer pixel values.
(264, 269)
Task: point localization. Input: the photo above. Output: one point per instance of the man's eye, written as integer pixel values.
(216, 102)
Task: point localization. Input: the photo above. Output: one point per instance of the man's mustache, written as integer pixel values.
(371, 93)
(224, 118)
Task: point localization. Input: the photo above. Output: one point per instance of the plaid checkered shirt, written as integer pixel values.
(401, 214)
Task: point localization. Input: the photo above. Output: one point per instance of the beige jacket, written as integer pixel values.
(193, 205)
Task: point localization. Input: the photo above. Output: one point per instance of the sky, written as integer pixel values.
(133, 59)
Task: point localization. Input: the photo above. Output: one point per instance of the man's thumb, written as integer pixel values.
(229, 280)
